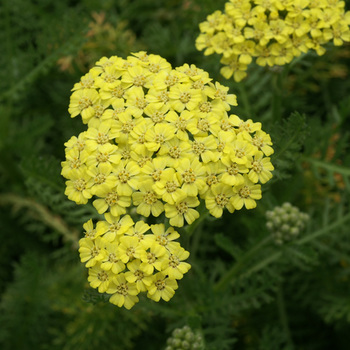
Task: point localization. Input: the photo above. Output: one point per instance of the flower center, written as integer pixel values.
(150, 197)
(156, 174)
(203, 125)
(75, 163)
(199, 84)
(171, 186)
(182, 208)
(112, 258)
(84, 102)
(205, 107)
(102, 138)
(221, 200)
(151, 258)
(189, 176)
(95, 251)
(198, 147)
(159, 138)
(109, 78)
(164, 96)
(233, 169)
(141, 103)
(139, 275)
(175, 152)
(98, 110)
(257, 167)
(162, 240)
(181, 124)
(122, 289)
(225, 125)
(154, 68)
(127, 127)
(80, 185)
(112, 198)
(130, 252)
(257, 142)
(212, 180)
(244, 192)
(139, 80)
(118, 92)
(100, 179)
(171, 80)
(173, 261)
(123, 176)
(185, 97)
(102, 276)
(160, 284)
(158, 117)
(90, 234)
(102, 157)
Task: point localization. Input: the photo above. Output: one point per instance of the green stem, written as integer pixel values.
(324, 230)
(245, 100)
(229, 276)
(43, 214)
(283, 316)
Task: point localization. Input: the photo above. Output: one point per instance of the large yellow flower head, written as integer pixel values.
(271, 31)
(161, 141)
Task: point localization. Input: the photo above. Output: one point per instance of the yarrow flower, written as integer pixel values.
(161, 141)
(272, 32)
(286, 222)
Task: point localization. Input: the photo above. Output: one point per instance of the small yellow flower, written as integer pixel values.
(99, 278)
(162, 287)
(219, 199)
(124, 292)
(174, 266)
(182, 210)
(246, 194)
(81, 102)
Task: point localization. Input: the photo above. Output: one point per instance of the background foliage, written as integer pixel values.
(243, 291)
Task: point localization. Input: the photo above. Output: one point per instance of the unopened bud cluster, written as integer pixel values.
(286, 222)
(185, 339)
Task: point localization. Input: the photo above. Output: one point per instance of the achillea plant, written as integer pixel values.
(159, 140)
(272, 32)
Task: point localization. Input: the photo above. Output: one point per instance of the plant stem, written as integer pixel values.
(43, 214)
(283, 316)
(229, 276)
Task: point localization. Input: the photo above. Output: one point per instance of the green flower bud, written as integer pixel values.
(177, 333)
(185, 345)
(285, 228)
(294, 231)
(189, 337)
(176, 342)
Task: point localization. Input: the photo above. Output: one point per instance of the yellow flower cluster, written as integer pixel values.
(124, 260)
(272, 31)
(160, 140)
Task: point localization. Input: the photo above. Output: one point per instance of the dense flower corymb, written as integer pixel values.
(161, 141)
(271, 31)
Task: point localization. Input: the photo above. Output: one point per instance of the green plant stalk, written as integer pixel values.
(232, 273)
(283, 316)
(229, 276)
(328, 166)
(43, 214)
